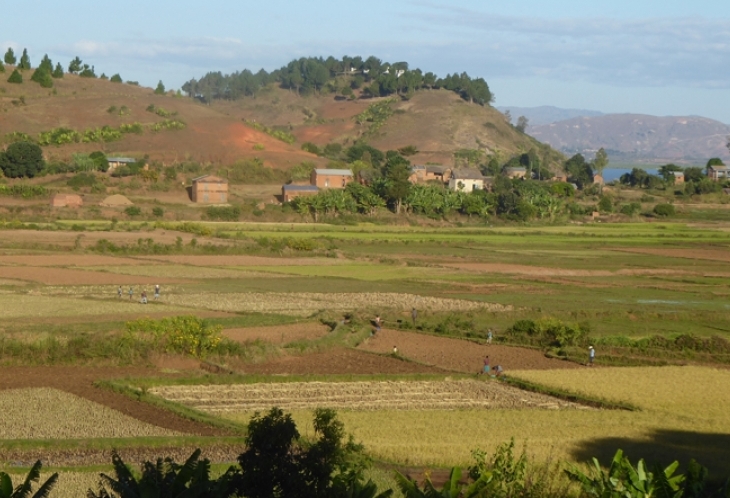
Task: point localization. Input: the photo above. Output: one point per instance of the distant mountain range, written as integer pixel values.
(546, 114)
(628, 138)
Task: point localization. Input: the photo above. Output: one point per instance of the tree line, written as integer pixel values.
(372, 76)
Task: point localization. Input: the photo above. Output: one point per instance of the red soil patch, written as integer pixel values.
(337, 361)
(64, 276)
(459, 355)
(279, 334)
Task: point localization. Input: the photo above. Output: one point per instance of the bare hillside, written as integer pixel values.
(83, 103)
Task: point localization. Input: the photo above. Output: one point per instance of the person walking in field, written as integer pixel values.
(378, 323)
(131, 293)
(489, 336)
(119, 292)
(144, 297)
(591, 355)
(414, 316)
(485, 368)
(157, 292)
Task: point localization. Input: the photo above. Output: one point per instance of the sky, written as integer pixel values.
(663, 58)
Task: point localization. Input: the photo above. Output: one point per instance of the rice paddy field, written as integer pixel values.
(299, 301)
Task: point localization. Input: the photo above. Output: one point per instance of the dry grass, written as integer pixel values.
(43, 413)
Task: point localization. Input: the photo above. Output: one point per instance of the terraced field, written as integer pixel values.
(403, 395)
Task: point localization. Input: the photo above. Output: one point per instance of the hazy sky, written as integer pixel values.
(665, 57)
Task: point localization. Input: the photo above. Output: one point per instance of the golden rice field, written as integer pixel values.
(305, 303)
(677, 404)
(366, 395)
(45, 413)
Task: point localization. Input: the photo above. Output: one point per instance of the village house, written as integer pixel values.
(209, 189)
(66, 200)
(115, 162)
(291, 192)
(331, 178)
(515, 173)
(717, 172)
(466, 180)
(429, 173)
(678, 177)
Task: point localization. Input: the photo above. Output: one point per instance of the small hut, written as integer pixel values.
(210, 189)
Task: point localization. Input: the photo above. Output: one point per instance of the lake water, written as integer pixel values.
(611, 174)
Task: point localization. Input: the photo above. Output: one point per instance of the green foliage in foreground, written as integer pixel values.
(24, 490)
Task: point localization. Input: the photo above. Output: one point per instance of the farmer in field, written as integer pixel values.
(378, 323)
(485, 369)
(498, 371)
(414, 315)
(591, 355)
(131, 293)
(157, 292)
(119, 292)
(144, 297)
(489, 336)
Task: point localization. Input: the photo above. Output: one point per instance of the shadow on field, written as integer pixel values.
(664, 447)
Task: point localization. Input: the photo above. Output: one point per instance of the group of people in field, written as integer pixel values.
(143, 296)
(497, 371)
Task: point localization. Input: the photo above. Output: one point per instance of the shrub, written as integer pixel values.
(223, 213)
(180, 334)
(664, 210)
(605, 205)
(15, 77)
(310, 147)
(133, 211)
(158, 211)
(116, 78)
(259, 146)
(81, 180)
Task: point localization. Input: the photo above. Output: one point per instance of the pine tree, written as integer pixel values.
(2, 67)
(46, 64)
(24, 61)
(42, 77)
(74, 66)
(10, 57)
(116, 78)
(58, 72)
(160, 90)
(15, 77)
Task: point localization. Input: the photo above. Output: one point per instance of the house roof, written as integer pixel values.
(718, 167)
(437, 169)
(334, 172)
(516, 170)
(127, 160)
(300, 188)
(209, 179)
(467, 174)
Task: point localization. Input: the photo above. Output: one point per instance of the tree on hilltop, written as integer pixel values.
(46, 64)
(58, 72)
(522, 123)
(15, 77)
(75, 65)
(160, 90)
(116, 78)
(10, 57)
(24, 61)
(87, 72)
(42, 77)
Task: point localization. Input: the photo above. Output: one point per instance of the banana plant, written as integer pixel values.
(24, 490)
(622, 480)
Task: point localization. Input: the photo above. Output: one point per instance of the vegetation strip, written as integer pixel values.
(569, 396)
(180, 410)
